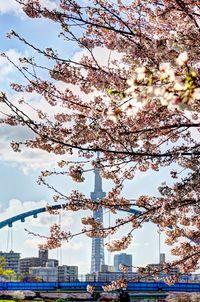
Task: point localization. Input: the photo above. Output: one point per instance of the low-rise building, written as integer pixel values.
(67, 273)
(26, 263)
(90, 277)
(46, 274)
(195, 278)
(111, 276)
(50, 273)
(40, 261)
(107, 268)
(12, 260)
(161, 275)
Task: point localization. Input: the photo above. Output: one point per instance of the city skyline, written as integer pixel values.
(42, 268)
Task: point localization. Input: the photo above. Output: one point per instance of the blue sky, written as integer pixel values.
(19, 171)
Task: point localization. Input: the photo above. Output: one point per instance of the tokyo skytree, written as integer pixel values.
(97, 256)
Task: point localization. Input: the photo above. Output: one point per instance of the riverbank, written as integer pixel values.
(31, 295)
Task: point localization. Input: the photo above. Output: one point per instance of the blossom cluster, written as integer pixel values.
(90, 221)
(123, 268)
(90, 289)
(174, 86)
(56, 237)
(76, 173)
(118, 245)
(170, 280)
(117, 284)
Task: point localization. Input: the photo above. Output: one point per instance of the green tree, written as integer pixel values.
(6, 272)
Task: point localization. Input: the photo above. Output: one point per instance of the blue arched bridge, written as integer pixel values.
(21, 217)
(34, 213)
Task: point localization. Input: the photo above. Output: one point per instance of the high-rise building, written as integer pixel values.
(123, 258)
(97, 243)
(12, 260)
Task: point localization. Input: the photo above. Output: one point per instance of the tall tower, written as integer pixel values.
(97, 243)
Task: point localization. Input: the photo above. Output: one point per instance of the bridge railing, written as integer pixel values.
(132, 286)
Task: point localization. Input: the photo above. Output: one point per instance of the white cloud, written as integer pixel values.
(44, 220)
(12, 7)
(73, 246)
(6, 68)
(32, 242)
(28, 159)
(69, 246)
(50, 4)
(103, 55)
(16, 207)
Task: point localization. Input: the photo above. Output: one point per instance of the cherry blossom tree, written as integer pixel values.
(139, 108)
